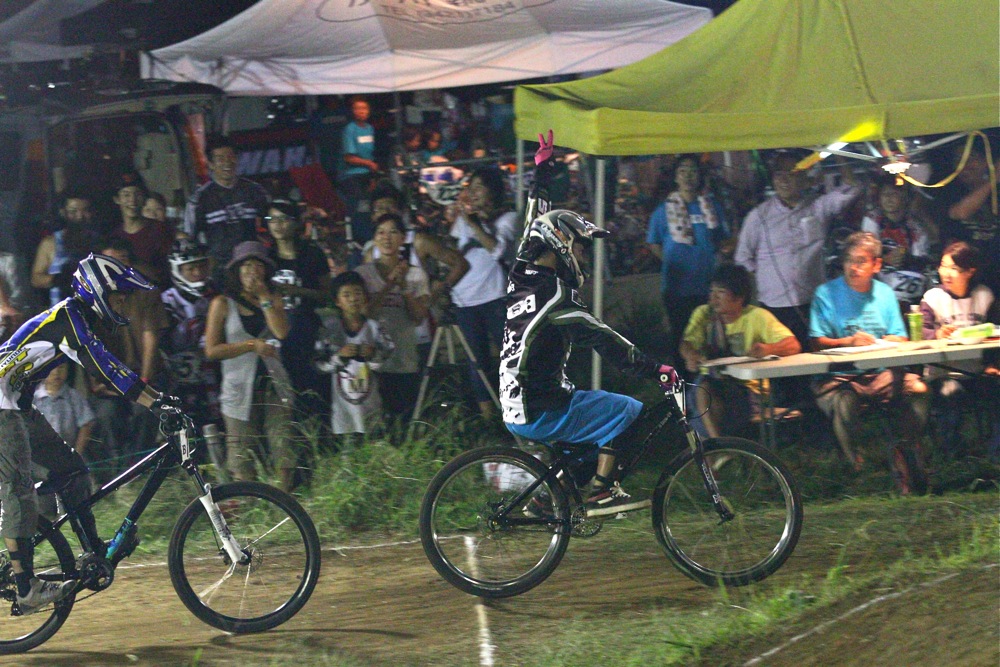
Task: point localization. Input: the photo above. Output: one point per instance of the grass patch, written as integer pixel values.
(890, 551)
(375, 486)
(858, 541)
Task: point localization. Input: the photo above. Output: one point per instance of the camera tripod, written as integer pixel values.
(449, 332)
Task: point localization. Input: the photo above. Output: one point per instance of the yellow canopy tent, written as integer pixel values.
(779, 73)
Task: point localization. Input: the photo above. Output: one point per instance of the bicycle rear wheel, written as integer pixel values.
(53, 562)
(277, 535)
(757, 489)
(473, 543)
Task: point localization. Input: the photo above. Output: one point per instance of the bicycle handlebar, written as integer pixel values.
(173, 421)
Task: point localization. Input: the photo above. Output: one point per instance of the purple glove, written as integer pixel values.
(544, 151)
(667, 377)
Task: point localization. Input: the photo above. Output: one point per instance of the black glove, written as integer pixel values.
(168, 412)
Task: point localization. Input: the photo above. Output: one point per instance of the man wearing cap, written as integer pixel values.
(227, 210)
(149, 240)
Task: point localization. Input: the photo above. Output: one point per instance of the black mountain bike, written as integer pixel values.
(496, 521)
(243, 557)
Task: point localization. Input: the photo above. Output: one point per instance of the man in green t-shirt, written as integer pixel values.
(727, 326)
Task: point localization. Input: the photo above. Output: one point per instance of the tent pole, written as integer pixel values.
(519, 177)
(598, 272)
(397, 104)
(397, 111)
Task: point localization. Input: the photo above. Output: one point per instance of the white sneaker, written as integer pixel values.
(43, 593)
(612, 500)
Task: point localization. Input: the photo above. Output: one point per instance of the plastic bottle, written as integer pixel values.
(915, 323)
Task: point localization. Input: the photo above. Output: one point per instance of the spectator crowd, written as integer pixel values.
(268, 311)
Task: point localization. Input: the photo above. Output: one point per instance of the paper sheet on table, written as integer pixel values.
(726, 361)
(877, 346)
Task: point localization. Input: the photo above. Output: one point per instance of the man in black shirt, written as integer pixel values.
(227, 210)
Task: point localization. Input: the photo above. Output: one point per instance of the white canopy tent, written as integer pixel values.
(306, 47)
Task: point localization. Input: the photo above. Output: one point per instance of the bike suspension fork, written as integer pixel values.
(229, 543)
(711, 485)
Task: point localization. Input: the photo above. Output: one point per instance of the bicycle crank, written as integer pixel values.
(96, 573)
(583, 527)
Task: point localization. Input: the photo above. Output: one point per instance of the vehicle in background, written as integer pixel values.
(73, 137)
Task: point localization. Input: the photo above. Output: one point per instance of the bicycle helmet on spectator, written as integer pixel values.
(97, 276)
(558, 231)
(184, 252)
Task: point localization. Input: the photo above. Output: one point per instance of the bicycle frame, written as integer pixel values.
(176, 450)
(673, 411)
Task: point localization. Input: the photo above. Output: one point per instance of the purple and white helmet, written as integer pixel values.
(98, 276)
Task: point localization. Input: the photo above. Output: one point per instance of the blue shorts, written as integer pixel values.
(591, 416)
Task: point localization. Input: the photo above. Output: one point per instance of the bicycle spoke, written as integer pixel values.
(268, 585)
(280, 524)
(207, 593)
(757, 491)
(506, 547)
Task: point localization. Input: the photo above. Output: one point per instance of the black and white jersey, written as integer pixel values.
(545, 318)
(182, 345)
(223, 217)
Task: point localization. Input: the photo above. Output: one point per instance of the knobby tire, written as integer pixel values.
(763, 497)
(54, 561)
(477, 549)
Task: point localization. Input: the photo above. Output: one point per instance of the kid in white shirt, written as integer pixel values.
(358, 347)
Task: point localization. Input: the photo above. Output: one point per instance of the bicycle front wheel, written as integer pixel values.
(53, 562)
(282, 562)
(759, 492)
(476, 540)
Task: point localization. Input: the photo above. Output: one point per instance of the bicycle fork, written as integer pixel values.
(229, 543)
(711, 486)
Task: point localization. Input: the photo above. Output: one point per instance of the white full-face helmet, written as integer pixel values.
(184, 252)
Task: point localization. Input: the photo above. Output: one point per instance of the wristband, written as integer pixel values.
(265, 304)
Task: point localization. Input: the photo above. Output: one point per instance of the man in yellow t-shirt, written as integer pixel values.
(725, 327)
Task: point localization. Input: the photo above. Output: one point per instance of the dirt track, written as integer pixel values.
(386, 606)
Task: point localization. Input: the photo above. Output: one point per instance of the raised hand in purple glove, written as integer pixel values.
(544, 151)
(667, 377)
